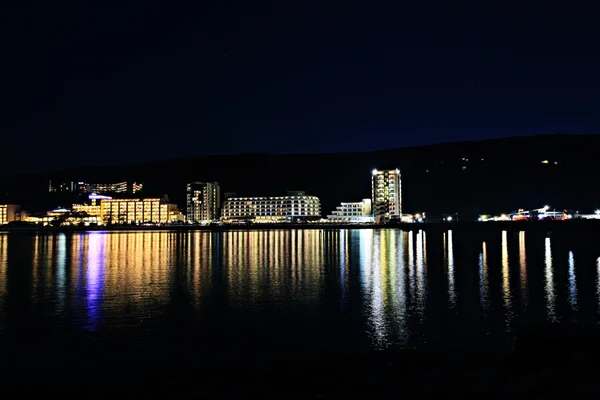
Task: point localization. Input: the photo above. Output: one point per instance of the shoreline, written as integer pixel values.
(548, 226)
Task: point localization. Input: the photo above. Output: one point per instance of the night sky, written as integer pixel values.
(99, 86)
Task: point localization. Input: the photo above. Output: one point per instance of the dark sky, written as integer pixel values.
(97, 85)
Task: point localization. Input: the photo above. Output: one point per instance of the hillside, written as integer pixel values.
(466, 177)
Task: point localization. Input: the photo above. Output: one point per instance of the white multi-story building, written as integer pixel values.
(295, 206)
(359, 211)
(386, 195)
(203, 202)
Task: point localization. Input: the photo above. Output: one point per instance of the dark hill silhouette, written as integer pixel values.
(466, 177)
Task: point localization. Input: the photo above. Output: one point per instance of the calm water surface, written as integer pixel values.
(307, 290)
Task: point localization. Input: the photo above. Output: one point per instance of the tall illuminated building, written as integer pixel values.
(203, 202)
(386, 195)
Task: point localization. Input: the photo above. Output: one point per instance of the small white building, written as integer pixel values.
(360, 211)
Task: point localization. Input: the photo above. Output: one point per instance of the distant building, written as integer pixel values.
(61, 187)
(83, 187)
(386, 195)
(9, 213)
(203, 202)
(360, 211)
(295, 206)
(119, 187)
(137, 211)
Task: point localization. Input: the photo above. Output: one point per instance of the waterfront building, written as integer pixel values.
(92, 209)
(360, 211)
(63, 216)
(9, 213)
(137, 211)
(203, 202)
(386, 195)
(295, 206)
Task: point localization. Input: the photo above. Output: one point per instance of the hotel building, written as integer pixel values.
(386, 195)
(203, 202)
(9, 213)
(92, 209)
(137, 211)
(359, 211)
(294, 206)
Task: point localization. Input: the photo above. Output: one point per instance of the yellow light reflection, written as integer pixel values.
(483, 278)
(523, 267)
(550, 296)
(506, 279)
(505, 271)
(3, 264)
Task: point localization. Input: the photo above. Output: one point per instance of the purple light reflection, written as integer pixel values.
(94, 277)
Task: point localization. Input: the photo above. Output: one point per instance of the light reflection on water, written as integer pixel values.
(385, 286)
(483, 279)
(506, 293)
(549, 273)
(523, 268)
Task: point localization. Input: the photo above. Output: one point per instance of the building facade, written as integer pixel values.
(359, 211)
(9, 213)
(295, 206)
(203, 202)
(138, 211)
(386, 195)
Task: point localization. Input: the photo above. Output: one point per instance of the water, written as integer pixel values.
(172, 294)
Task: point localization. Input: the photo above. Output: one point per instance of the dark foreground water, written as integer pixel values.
(203, 295)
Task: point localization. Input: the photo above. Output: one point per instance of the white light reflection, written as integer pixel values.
(523, 268)
(598, 282)
(483, 279)
(371, 267)
(61, 273)
(343, 252)
(377, 319)
(411, 267)
(550, 297)
(572, 282)
(450, 261)
(399, 289)
(421, 278)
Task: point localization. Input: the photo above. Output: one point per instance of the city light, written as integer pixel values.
(449, 218)
(375, 172)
